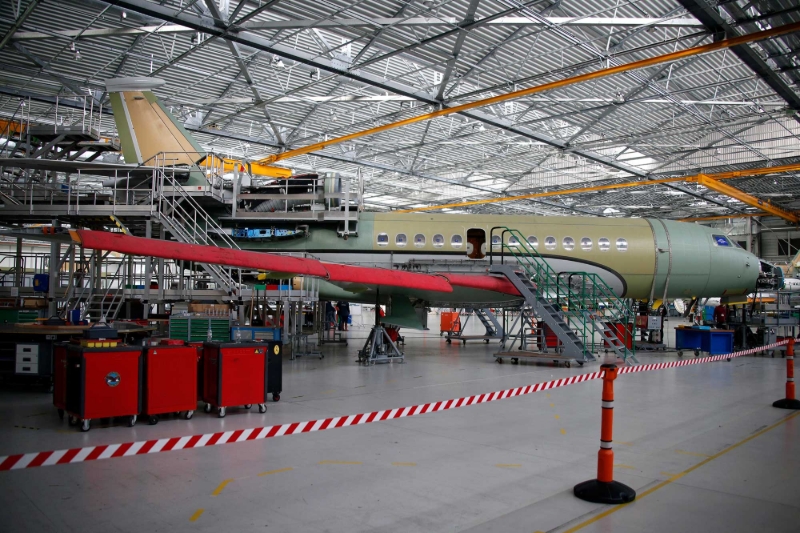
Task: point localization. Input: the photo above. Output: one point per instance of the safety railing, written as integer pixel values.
(581, 302)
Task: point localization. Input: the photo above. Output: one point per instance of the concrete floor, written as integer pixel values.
(701, 444)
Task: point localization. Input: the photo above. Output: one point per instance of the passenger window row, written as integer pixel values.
(550, 243)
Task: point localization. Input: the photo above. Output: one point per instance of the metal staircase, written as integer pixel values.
(102, 303)
(494, 330)
(188, 222)
(574, 305)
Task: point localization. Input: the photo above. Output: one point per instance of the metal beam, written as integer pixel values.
(723, 217)
(733, 192)
(469, 17)
(706, 178)
(45, 66)
(377, 23)
(17, 23)
(673, 56)
(709, 16)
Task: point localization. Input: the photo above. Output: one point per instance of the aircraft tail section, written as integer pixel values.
(145, 127)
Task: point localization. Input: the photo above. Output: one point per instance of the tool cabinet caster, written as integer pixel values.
(86, 425)
(567, 364)
(262, 408)
(696, 353)
(188, 415)
(680, 353)
(499, 360)
(486, 341)
(72, 421)
(61, 414)
(207, 408)
(248, 405)
(152, 420)
(580, 363)
(448, 341)
(132, 421)
(221, 412)
(515, 360)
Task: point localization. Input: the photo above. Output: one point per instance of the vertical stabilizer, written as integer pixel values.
(145, 126)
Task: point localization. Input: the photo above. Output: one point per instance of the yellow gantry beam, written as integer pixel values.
(681, 54)
(708, 181)
(733, 192)
(227, 165)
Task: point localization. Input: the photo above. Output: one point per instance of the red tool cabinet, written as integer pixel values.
(235, 374)
(170, 380)
(103, 383)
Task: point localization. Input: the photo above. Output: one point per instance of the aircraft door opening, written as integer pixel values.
(476, 243)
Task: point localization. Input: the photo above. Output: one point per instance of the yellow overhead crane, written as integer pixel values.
(710, 181)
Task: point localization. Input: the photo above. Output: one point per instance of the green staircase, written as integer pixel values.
(575, 305)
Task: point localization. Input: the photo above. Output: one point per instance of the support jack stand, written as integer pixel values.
(379, 348)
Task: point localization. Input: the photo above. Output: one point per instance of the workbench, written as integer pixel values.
(713, 341)
(27, 349)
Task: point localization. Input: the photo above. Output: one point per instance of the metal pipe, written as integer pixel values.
(673, 56)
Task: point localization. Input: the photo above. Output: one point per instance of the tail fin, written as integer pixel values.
(145, 126)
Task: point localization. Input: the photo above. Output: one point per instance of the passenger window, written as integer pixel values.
(438, 240)
(401, 239)
(622, 245)
(533, 242)
(568, 244)
(419, 240)
(513, 241)
(383, 239)
(496, 241)
(603, 244)
(456, 241)
(586, 244)
(550, 243)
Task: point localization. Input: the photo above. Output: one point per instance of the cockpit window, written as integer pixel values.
(721, 240)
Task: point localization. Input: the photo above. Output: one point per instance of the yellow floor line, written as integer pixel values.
(695, 454)
(404, 464)
(625, 466)
(676, 477)
(556, 417)
(623, 442)
(276, 471)
(552, 405)
(341, 463)
(563, 431)
(221, 487)
(196, 515)
(501, 465)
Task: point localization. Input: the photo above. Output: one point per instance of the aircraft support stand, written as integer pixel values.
(379, 348)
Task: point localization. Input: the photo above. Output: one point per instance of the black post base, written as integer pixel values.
(786, 403)
(600, 492)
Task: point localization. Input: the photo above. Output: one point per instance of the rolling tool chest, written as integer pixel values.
(236, 374)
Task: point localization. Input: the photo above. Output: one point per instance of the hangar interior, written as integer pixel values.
(252, 250)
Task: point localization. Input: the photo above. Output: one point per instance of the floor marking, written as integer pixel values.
(684, 452)
(552, 405)
(340, 463)
(556, 417)
(623, 442)
(360, 387)
(676, 477)
(276, 471)
(404, 464)
(329, 391)
(221, 487)
(625, 466)
(501, 465)
(563, 431)
(548, 395)
(196, 515)
(26, 427)
(668, 474)
(293, 397)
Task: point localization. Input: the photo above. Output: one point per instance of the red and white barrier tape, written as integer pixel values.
(126, 449)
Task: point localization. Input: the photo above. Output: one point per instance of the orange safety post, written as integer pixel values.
(790, 402)
(604, 489)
